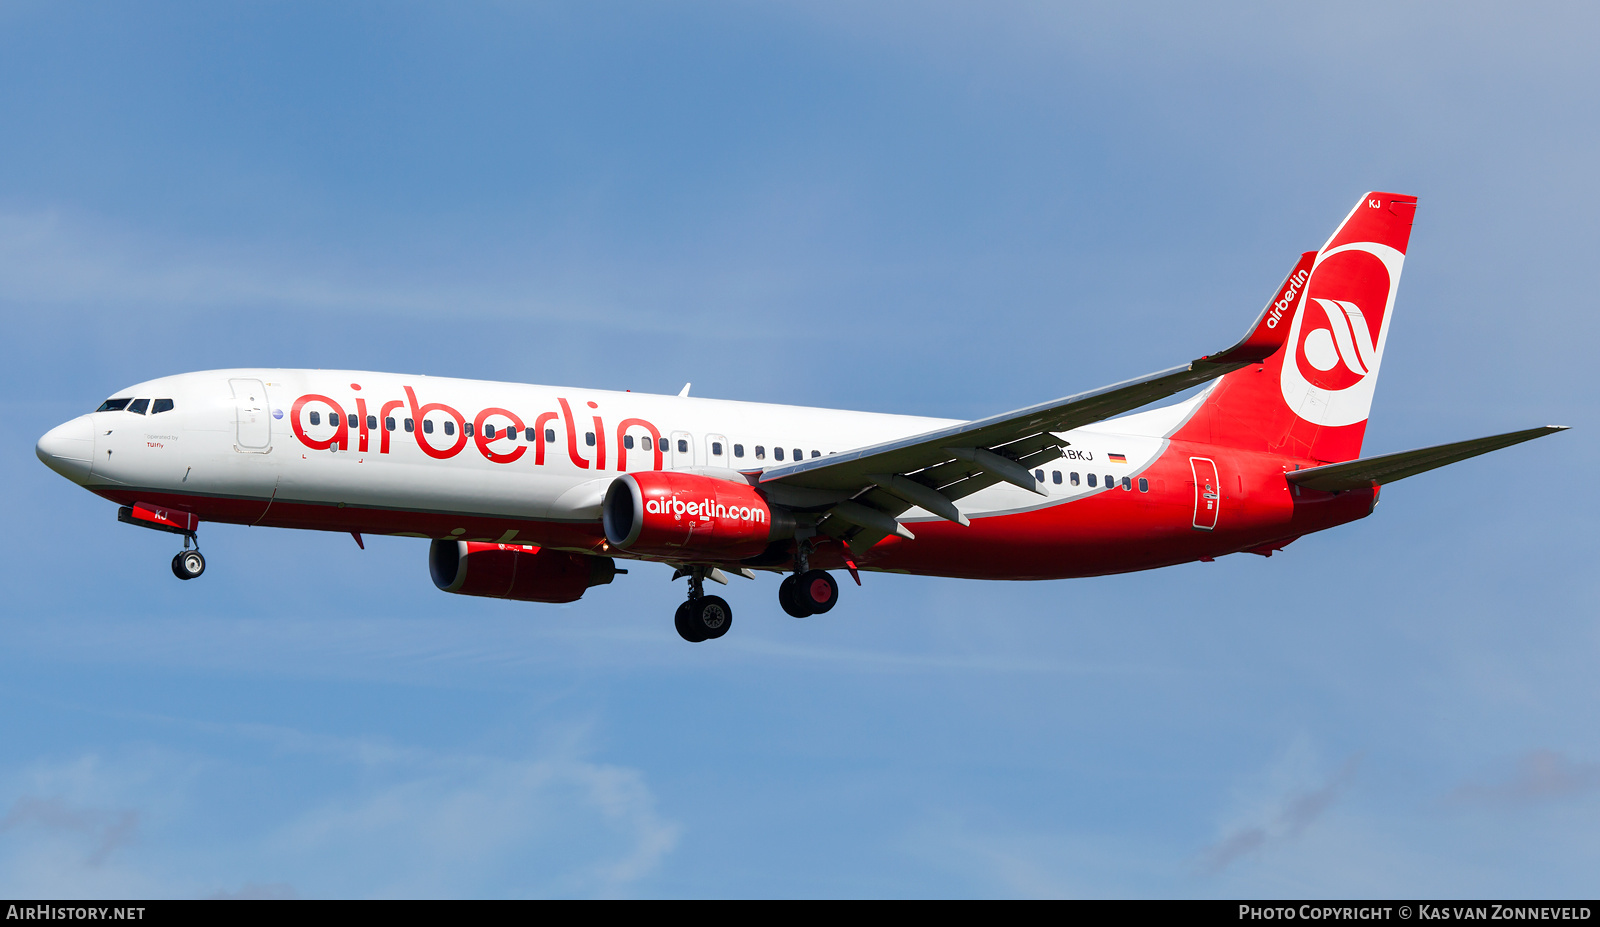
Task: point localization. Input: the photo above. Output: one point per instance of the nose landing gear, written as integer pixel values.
(186, 563)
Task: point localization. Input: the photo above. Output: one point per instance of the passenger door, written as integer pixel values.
(253, 418)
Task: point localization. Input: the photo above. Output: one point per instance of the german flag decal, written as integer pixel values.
(1117, 458)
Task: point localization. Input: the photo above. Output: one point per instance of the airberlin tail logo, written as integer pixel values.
(1337, 334)
(1336, 346)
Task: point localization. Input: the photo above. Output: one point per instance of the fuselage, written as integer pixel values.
(440, 458)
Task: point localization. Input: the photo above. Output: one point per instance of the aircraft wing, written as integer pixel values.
(861, 491)
(1376, 471)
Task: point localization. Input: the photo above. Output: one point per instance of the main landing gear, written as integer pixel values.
(810, 593)
(703, 617)
(807, 591)
(188, 564)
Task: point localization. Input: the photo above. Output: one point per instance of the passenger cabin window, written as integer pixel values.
(315, 417)
(529, 434)
(738, 450)
(466, 428)
(1055, 477)
(683, 446)
(1127, 483)
(1038, 475)
(1091, 479)
(160, 405)
(354, 422)
(1144, 484)
(488, 432)
(411, 425)
(627, 442)
(644, 443)
(549, 436)
(1110, 481)
(798, 454)
(388, 423)
(372, 423)
(761, 452)
(716, 449)
(816, 453)
(588, 438)
(113, 405)
(138, 406)
(777, 453)
(427, 427)
(449, 428)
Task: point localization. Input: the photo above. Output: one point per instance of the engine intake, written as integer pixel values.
(516, 571)
(662, 513)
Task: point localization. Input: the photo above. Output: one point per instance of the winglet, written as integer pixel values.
(1271, 329)
(685, 390)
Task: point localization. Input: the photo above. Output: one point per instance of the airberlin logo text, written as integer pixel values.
(322, 423)
(1286, 301)
(704, 509)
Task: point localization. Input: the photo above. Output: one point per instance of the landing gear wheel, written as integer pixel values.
(789, 597)
(704, 619)
(188, 564)
(816, 591)
(712, 615)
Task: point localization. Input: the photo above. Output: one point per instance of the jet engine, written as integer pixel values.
(516, 571)
(690, 516)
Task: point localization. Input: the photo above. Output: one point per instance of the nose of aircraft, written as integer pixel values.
(68, 448)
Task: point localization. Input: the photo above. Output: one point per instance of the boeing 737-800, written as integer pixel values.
(536, 492)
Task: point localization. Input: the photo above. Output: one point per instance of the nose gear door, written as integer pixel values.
(252, 416)
(1207, 493)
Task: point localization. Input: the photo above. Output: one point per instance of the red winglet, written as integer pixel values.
(1272, 328)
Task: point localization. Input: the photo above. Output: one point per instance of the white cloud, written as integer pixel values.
(416, 824)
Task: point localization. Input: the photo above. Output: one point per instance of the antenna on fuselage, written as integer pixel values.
(685, 390)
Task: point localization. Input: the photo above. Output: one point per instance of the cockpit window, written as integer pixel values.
(138, 406)
(114, 405)
(161, 405)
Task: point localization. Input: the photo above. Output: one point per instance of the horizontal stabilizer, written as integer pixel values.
(1376, 471)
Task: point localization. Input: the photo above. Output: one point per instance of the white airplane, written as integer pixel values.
(535, 492)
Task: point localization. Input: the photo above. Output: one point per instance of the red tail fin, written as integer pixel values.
(1311, 399)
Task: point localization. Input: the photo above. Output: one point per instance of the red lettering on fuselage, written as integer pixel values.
(483, 441)
(383, 413)
(341, 434)
(420, 412)
(622, 441)
(475, 430)
(538, 426)
(361, 424)
(572, 436)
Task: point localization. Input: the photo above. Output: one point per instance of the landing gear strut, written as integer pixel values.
(703, 617)
(188, 564)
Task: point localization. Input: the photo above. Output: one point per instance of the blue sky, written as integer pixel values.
(924, 208)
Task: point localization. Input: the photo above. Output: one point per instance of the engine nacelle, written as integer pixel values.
(516, 571)
(666, 514)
